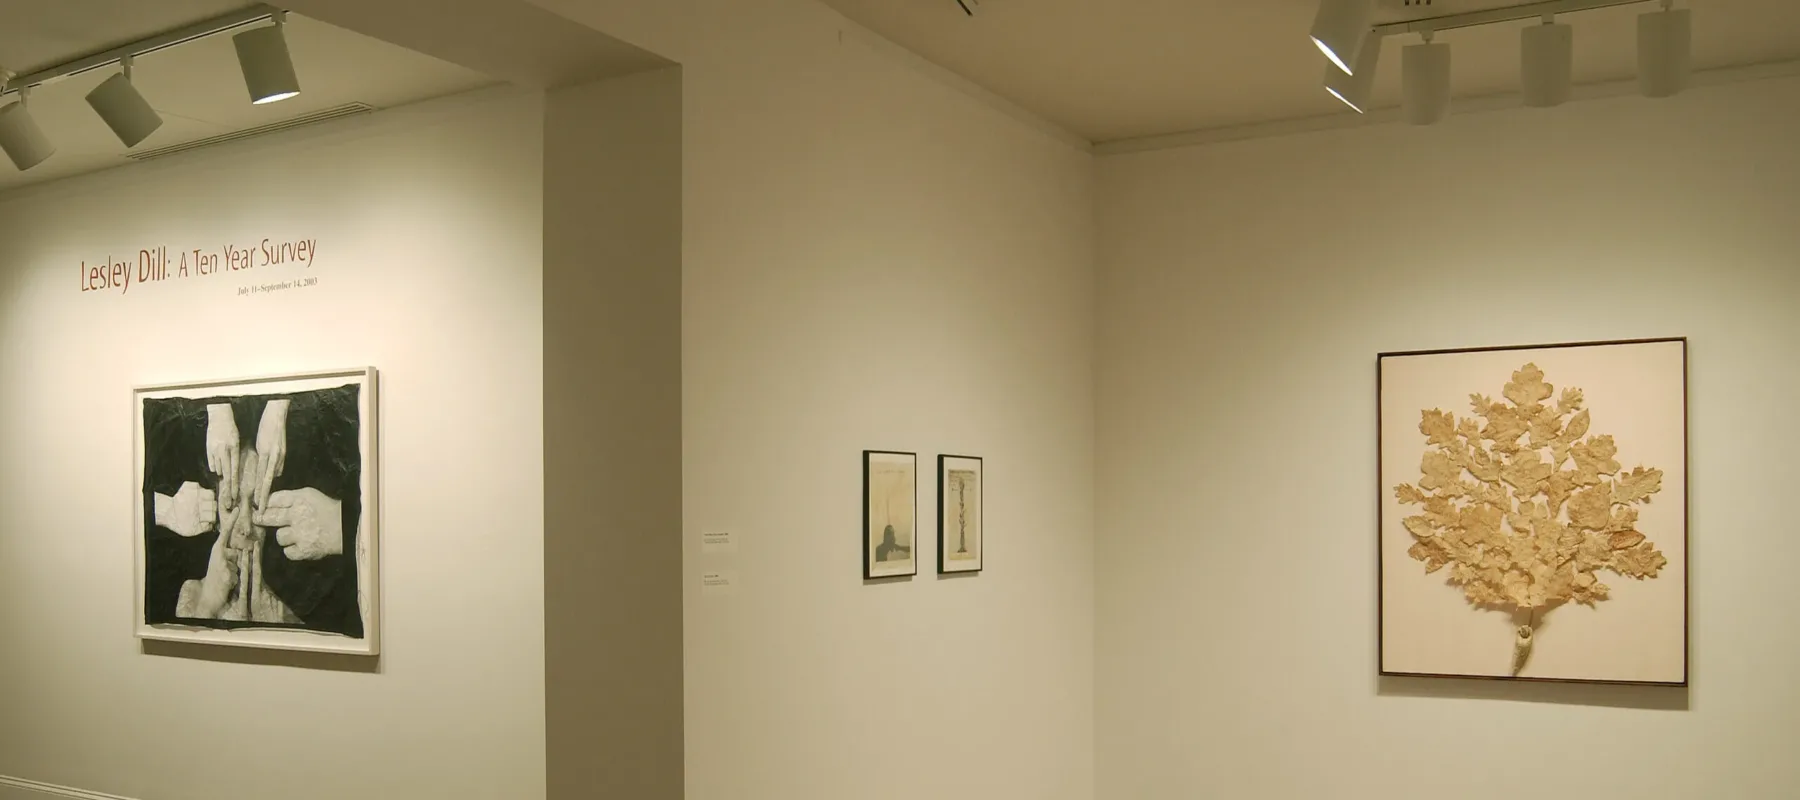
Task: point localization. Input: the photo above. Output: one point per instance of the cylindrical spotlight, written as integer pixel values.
(268, 69)
(1354, 88)
(1664, 39)
(1341, 28)
(1425, 82)
(123, 108)
(21, 138)
(1546, 64)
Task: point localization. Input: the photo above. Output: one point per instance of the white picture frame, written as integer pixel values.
(283, 523)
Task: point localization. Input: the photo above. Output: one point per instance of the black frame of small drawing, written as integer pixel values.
(980, 514)
(863, 526)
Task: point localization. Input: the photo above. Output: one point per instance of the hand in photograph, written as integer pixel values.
(243, 545)
(207, 598)
(192, 511)
(271, 443)
(222, 451)
(235, 518)
(310, 525)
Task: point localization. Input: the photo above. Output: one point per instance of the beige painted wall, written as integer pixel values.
(428, 221)
(612, 449)
(874, 260)
(871, 258)
(1246, 288)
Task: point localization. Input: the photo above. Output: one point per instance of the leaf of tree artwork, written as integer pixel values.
(1524, 506)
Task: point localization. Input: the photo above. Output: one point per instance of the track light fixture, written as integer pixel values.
(20, 136)
(1546, 63)
(1345, 32)
(123, 109)
(262, 55)
(1340, 29)
(1425, 82)
(1664, 41)
(268, 69)
(1354, 88)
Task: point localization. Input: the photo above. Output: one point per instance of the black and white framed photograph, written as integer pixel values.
(256, 515)
(890, 514)
(959, 514)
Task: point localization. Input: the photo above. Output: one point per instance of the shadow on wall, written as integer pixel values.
(1653, 698)
(333, 662)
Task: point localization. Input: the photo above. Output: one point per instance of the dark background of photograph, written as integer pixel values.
(323, 453)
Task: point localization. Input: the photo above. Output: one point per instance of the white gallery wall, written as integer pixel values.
(427, 222)
(873, 259)
(1245, 290)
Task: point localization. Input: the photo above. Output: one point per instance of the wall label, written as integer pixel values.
(717, 542)
(717, 582)
(158, 264)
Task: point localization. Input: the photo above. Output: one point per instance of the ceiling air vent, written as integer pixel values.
(324, 115)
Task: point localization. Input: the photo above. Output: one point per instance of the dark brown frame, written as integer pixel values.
(863, 526)
(1686, 518)
(980, 516)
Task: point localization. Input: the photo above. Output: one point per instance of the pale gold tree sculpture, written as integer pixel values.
(1524, 506)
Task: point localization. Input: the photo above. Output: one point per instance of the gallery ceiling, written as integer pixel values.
(197, 87)
(1124, 69)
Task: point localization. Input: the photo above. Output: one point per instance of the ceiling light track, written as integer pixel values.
(262, 55)
(1498, 15)
(199, 30)
(1344, 33)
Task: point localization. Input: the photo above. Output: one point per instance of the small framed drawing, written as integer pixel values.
(959, 514)
(890, 514)
(255, 521)
(1533, 520)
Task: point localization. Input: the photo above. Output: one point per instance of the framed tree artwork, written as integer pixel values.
(960, 534)
(1533, 521)
(255, 512)
(890, 514)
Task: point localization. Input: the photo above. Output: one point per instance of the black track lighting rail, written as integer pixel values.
(1497, 15)
(161, 41)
